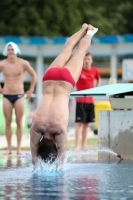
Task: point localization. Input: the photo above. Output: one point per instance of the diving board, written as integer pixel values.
(106, 90)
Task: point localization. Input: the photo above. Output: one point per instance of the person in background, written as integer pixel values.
(85, 105)
(13, 69)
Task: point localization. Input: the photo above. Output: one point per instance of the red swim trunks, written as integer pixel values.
(59, 74)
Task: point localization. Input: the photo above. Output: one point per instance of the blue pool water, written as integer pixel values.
(82, 178)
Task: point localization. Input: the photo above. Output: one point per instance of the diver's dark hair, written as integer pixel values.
(88, 54)
(47, 150)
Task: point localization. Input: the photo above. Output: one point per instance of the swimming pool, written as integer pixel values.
(83, 177)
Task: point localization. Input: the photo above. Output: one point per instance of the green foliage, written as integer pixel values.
(63, 18)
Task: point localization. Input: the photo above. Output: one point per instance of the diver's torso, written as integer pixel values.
(52, 112)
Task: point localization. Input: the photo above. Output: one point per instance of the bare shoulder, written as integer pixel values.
(25, 64)
(23, 61)
(27, 67)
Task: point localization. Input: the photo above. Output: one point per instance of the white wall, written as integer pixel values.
(115, 131)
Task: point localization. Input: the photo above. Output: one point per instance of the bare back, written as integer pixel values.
(13, 76)
(54, 105)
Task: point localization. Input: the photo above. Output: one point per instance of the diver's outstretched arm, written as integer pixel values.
(34, 149)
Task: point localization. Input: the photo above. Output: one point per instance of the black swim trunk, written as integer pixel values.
(13, 98)
(84, 112)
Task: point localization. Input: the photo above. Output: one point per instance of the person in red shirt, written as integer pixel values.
(85, 105)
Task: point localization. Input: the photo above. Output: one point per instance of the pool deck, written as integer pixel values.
(26, 138)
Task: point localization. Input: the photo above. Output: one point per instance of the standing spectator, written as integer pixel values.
(85, 105)
(13, 69)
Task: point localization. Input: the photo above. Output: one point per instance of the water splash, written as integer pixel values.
(42, 166)
(71, 157)
(106, 150)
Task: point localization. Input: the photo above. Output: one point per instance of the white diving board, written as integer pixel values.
(106, 90)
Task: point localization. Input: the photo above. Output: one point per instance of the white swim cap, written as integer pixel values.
(14, 46)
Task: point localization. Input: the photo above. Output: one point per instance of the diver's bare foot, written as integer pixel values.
(7, 153)
(91, 30)
(85, 27)
(90, 27)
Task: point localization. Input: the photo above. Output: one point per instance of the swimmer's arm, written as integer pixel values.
(33, 152)
(1, 69)
(62, 154)
(30, 70)
(62, 146)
